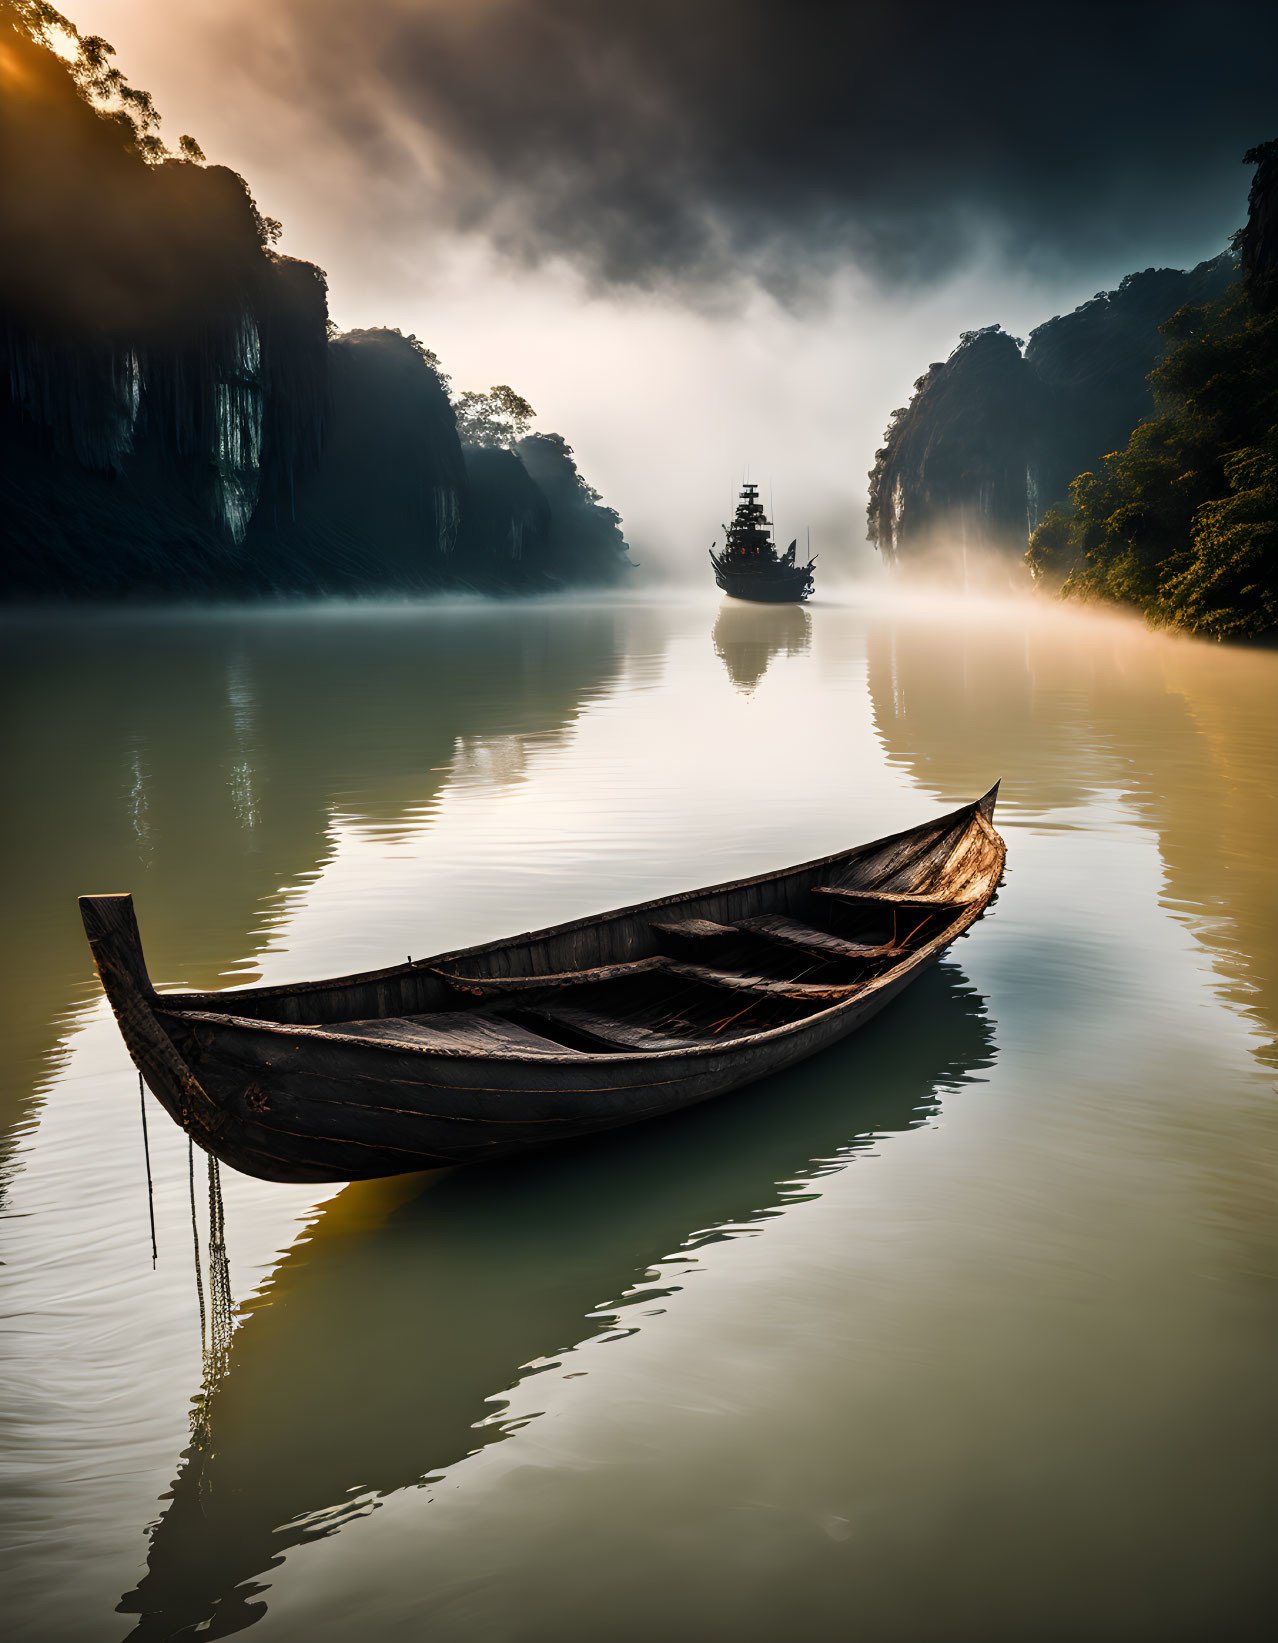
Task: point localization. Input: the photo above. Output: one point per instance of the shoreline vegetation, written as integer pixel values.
(179, 418)
(1129, 452)
(1183, 520)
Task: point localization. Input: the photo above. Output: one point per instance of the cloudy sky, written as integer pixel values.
(704, 233)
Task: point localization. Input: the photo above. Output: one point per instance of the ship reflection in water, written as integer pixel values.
(370, 1360)
(748, 636)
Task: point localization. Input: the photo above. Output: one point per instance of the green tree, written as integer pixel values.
(1052, 554)
(99, 80)
(1229, 587)
(1183, 521)
(500, 418)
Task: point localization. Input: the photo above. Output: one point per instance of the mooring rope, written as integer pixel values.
(219, 1349)
(195, 1239)
(216, 1325)
(150, 1189)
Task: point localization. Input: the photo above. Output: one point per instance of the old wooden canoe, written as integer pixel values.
(492, 1050)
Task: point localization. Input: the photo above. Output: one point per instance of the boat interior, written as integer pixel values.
(707, 983)
(700, 970)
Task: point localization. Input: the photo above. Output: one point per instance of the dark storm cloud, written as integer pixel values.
(680, 139)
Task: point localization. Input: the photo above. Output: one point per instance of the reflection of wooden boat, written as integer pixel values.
(747, 637)
(497, 1049)
(750, 566)
(379, 1350)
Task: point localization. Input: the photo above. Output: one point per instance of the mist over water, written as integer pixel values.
(569, 199)
(982, 1292)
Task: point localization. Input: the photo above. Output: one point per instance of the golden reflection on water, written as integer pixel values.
(988, 1277)
(1185, 732)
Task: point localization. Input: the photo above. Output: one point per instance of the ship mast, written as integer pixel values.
(750, 536)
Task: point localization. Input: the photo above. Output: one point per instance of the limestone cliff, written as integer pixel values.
(955, 458)
(1258, 240)
(993, 436)
(586, 541)
(177, 417)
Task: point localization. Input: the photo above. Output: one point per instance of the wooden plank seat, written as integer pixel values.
(887, 898)
(734, 981)
(466, 1030)
(604, 1029)
(694, 929)
(808, 939)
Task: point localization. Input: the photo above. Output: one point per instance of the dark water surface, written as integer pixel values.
(963, 1331)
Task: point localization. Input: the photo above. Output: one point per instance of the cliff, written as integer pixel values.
(586, 543)
(955, 459)
(505, 533)
(382, 504)
(993, 436)
(1090, 370)
(176, 416)
(1257, 241)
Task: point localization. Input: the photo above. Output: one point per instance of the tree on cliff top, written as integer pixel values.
(498, 419)
(100, 82)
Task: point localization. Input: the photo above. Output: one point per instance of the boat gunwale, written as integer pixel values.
(581, 1058)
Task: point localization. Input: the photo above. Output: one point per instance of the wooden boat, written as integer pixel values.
(750, 566)
(497, 1049)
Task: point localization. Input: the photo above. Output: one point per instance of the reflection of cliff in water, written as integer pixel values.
(198, 762)
(1064, 708)
(368, 1359)
(748, 636)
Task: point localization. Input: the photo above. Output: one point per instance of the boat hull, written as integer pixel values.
(278, 1083)
(296, 1117)
(766, 588)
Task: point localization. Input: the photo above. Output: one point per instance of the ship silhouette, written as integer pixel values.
(750, 566)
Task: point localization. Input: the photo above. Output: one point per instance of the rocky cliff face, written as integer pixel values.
(994, 436)
(175, 418)
(1258, 241)
(587, 546)
(955, 458)
(1088, 371)
(505, 534)
(382, 504)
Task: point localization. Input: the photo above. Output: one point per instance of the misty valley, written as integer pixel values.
(651, 1009)
(184, 419)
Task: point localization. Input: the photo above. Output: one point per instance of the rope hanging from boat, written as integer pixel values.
(195, 1239)
(219, 1347)
(150, 1189)
(216, 1325)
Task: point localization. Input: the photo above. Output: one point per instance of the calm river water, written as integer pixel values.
(964, 1331)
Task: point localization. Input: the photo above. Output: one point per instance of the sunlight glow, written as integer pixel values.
(62, 43)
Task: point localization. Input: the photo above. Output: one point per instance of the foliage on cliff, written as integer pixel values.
(1183, 520)
(499, 419)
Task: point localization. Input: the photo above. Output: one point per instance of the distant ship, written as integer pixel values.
(750, 566)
